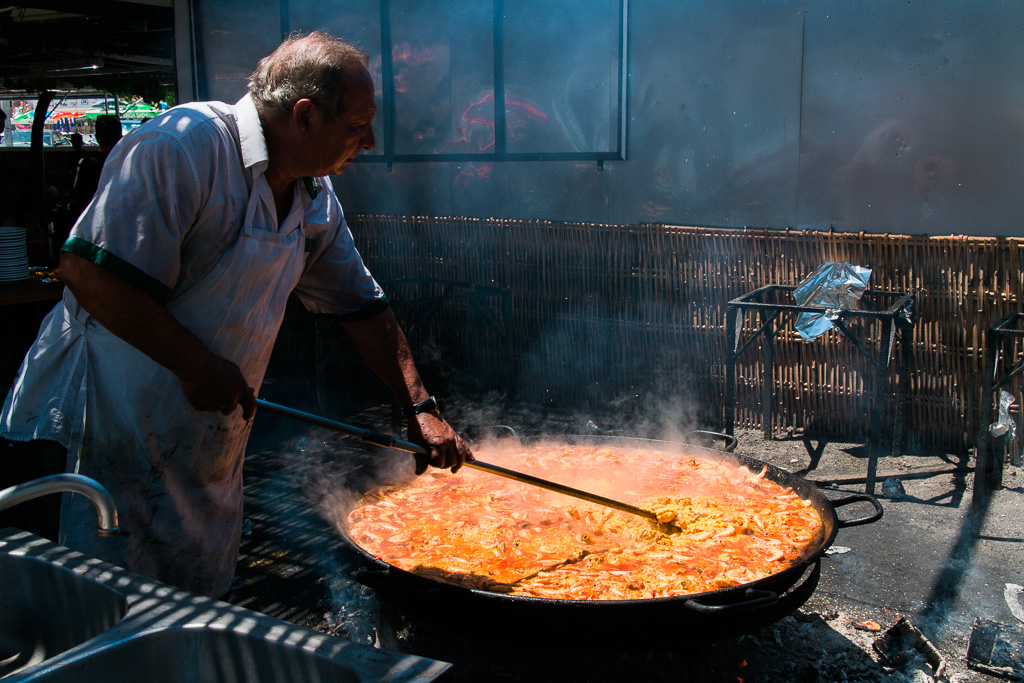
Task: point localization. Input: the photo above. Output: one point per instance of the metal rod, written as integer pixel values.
(385, 157)
(387, 74)
(733, 327)
(623, 107)
(879, 389)
(983, 453)
(878, 361)
(390, 442)
(767, 321)
(500, 124)
(375, 438)
(1015, 369)
(559, 488)
(768, 378)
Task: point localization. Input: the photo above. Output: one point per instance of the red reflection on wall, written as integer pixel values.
(425, 122)
(404, 56)
(474, 172)
(479, 115)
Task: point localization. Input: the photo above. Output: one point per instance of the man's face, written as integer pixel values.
(337, 143)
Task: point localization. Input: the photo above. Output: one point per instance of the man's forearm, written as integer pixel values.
(208, 381)
(132, 315)
(383, 346)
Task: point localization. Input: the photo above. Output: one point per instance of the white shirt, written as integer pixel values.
(183, 212)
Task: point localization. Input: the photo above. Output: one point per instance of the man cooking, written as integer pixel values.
(205, 221)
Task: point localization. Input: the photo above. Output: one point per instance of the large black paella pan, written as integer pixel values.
(650, 623)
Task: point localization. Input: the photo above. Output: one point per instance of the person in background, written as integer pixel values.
(87, 172)
(85, 178)
(205, 221)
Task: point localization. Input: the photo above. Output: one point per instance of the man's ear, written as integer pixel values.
(304, 114)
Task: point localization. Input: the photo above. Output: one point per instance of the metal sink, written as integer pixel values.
(67, 617)
(201, 655)
(46, 609)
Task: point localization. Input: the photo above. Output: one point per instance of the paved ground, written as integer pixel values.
(923, 561)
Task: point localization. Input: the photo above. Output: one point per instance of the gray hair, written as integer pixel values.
(314, 66)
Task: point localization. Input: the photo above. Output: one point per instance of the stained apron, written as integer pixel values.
(175, 473)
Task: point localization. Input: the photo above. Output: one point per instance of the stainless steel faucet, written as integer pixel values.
(74, 483)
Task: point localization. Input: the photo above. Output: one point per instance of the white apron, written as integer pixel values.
(176, 473)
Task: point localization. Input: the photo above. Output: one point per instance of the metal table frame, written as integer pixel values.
(892, 310)
(990, 453)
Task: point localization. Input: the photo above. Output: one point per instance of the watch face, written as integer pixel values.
(428, 406)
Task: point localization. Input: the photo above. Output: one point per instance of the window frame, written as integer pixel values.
(500, 153)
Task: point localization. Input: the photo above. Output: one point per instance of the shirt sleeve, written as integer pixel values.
(146, 200)
(336, 280)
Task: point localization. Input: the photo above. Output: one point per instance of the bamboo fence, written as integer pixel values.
(612, 310)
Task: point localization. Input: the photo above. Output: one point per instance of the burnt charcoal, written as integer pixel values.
(903, 642)
(808, 674)
(996, 649)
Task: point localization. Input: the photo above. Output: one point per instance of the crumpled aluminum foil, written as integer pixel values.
(1005, 425)
(834, 286)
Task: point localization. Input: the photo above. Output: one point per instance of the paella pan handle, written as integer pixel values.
(730, 440)
(754, 597)
(858, 498)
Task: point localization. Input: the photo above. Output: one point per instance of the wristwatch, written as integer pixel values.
(427, 406)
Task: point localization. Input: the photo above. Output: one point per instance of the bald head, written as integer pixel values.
(314, 66)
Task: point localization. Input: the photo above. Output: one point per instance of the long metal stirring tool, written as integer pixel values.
(387, 441)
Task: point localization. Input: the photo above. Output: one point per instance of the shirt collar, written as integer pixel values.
(254, 145)
(250, 135)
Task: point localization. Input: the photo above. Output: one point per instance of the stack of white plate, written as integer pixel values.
(13, 255)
